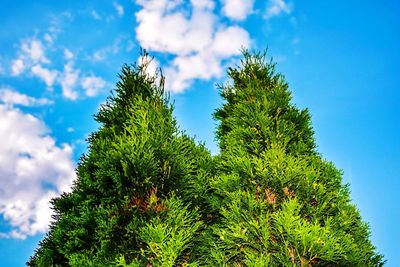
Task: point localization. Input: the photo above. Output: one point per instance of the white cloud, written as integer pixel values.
(166, 5)
(190, 37)
(48, 76)
(31, 52)
(103, 53)
(10, 98)
(164, 34)
(31, 57)
(33, 169)
(151, 67)
(184, 69)
(31, 60)
(203, 4)
(95, 15)
(228, 41)
(119, 8)
(2, 71)
(92, 85)
(69, 79)
(17, 67)
(164, 31)
(98, 56)
(276, 7)
(48, 38)
(68, 55)
(33, 48)
(130, 45)
(237, 9)
(151, 64)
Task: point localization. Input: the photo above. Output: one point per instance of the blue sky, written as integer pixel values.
(60, 59)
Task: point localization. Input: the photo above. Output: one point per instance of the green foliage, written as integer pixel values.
(148, 195)
(137, 161)
(277, 202)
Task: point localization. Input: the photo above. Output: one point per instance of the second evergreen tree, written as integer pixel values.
(277, 201)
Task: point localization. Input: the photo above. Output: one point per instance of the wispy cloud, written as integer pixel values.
(31, 56)
(49, 38)
(46, 75)
(17, 66)
(276, 7)
(92, 85)
(119, 8)
(95, 15)
(10, 97)
(33, 50)
(2, 71)
(68, 55)
(103, 53)
(69, 79)
(32, 61)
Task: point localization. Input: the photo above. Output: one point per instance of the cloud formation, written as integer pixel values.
(68, 80)
(46, 75)
(276, 7)
(68, 55)
(119, 8)
(33, 49)
(17, 67)
(31, 60)
(33, 169)
(92, 85)
(11, 97)
(237, 9)
(95, 15)
(191, 37)
(103, 53)
(31, 57)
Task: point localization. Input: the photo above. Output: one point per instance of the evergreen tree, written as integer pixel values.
(139, 189)
(277, 202)
(148, 195)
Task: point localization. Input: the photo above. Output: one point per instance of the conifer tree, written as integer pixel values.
(139, 189)
(276, 201)
(148, 195)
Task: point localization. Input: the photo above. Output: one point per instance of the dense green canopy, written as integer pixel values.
(149, 195)
(278, 202)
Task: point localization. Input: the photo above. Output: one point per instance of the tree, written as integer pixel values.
(148, 195)
(277, 201)
(139, 188)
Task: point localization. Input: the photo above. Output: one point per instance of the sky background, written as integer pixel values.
(60, 59)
